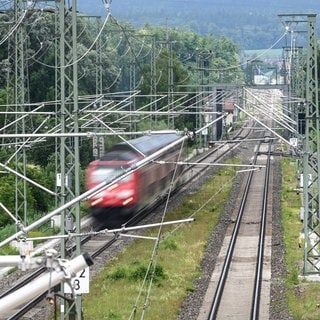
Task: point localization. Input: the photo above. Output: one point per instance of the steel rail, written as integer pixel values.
(226, 266)
(136, 219)
(259, 265)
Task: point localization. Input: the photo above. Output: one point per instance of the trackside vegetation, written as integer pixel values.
(114, 291)
(121, 42)
(303, 296)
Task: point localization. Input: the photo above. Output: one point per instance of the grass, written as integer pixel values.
(114, 292)
(9, 230)
(303, 296)
(119, 290)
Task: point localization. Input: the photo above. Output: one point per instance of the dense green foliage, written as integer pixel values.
(124, 52)
(302, 295)
(172, 269)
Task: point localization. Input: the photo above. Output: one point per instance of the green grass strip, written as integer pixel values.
(114, 291)
(303, 296)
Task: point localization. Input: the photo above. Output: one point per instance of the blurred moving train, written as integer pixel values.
(141, 188)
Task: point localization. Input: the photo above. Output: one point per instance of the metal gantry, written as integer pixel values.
(153, 79)
(20, 101)
(311, 158)
(69, 147)
(309, 126)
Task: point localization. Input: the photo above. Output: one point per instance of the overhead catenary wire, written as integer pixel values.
(128, 41)
(87, 51)
(89, 193)
(20, 118)
(117, 231)
(15, 27)
(90, 135)
(265, 126)
(201, 207)
(150, 272)
(240, 65)
(154, 256)
(206, 164)
(86, 195)
(278, 116)
(27, 179)
(28, 140)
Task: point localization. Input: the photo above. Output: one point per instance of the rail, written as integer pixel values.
(219, 292)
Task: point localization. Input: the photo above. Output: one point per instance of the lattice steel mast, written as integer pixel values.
(19, 103)
(311, 158)
(311, 145)
(69, 147)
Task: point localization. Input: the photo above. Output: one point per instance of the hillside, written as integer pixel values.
(251, 24)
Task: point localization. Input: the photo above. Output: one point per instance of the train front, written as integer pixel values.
(120, 198)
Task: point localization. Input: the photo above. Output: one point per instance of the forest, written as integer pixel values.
(120, 43)
(249, 24)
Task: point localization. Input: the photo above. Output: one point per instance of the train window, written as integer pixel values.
(163, 183)
(152, 189)
(127, 178)
(107, 174)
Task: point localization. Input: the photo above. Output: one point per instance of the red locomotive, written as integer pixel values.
(143, 186)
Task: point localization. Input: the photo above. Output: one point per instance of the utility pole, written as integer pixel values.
(204, 88)
(98, 142)
(20, 101)
(132, 84)
(311, 147)
(170, 81)
(311, 158)
(153, 76)
(200, 94)
(69, 146)
(169, 50)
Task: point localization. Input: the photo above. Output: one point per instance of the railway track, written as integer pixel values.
(97, 244)
(240, 284)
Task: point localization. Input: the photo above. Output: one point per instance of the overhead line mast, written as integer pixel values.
(69, 147)
(311, 145)
(20, 98)
(311, 158)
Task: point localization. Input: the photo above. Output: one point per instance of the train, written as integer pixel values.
(143, 186)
